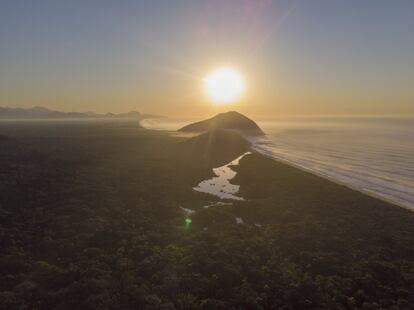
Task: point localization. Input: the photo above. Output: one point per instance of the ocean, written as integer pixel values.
(372, 155)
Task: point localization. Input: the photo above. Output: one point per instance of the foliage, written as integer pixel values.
(90, 219)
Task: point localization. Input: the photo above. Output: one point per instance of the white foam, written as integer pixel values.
(372, 156)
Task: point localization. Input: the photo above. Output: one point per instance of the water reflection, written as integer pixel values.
(220, 184)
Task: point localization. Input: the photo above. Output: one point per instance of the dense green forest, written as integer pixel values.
(90, 218)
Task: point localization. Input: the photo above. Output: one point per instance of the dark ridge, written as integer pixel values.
(214, 147)
(230, 120)
(45, 113)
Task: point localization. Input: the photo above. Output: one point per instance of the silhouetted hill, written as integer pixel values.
(44, 113)
(216, 147)
(230, 120)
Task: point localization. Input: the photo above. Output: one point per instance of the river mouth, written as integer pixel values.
(220, 185)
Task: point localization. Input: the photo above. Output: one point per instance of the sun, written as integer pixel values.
(224, 85)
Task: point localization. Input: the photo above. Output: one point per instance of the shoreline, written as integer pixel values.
(120, 199)
(304, 169)
(255, 149)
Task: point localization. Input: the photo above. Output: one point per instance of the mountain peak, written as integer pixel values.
(231, 120)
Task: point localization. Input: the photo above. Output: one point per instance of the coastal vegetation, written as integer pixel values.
(215, 147)
(91, 217)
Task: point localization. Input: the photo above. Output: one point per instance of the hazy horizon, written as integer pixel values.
(224, 109)
(297, 57)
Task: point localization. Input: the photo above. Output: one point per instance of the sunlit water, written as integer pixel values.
(372, 155)
(220, 185)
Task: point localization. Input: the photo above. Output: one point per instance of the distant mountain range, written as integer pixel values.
(230, 120)
(44, 113)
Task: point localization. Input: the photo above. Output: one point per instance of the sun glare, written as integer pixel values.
(224, 85)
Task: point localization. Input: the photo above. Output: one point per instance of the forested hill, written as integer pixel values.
(230, 120)
(216, 147)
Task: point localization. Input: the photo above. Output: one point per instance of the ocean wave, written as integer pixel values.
(378, 161)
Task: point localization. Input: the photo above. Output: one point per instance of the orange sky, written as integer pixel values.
(297, 57)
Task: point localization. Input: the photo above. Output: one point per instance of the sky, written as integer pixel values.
(298, 57)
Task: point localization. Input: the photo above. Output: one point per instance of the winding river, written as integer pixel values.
(220, 185)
